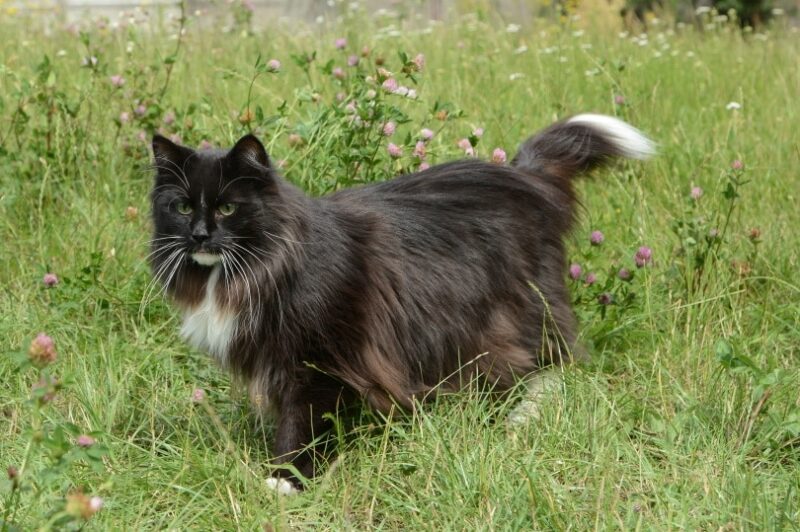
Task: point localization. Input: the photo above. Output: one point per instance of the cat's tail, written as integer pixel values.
(577, 145)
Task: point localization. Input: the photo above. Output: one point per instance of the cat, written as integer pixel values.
(387, 293)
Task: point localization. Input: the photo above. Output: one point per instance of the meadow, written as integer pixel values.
(687, 415)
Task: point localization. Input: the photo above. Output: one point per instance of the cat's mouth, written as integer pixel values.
(204, 258)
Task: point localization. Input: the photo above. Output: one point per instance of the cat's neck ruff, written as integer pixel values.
(209, 326)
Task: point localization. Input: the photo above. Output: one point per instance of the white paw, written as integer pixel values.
(281, 485)
(540, 385)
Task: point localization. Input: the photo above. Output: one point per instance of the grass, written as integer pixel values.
(687, 417)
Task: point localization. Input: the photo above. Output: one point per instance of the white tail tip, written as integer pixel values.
(630, 141)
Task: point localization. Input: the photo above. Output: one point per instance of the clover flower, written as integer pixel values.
(499, 156)
(643, 256)
(596, 238)
(575, 271)
(394, 150)
(42, 350)
(50, 279)
(273, 65)
(389, 129)
(340, 43)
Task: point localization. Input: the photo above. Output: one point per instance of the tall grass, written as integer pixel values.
(687, 416)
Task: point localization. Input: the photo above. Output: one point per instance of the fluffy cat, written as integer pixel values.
(387, 293)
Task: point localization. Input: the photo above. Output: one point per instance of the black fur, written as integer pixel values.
(390, 292)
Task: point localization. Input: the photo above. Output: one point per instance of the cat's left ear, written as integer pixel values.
(249, 150)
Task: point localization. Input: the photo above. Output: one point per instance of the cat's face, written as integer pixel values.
(211, 206)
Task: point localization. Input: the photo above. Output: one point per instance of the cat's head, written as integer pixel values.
(213, 207)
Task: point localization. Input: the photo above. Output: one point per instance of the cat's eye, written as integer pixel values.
(226, 209)
(184, 207)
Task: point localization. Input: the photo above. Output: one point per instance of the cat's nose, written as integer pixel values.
(199, 234)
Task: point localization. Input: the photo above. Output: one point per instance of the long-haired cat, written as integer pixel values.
(386, 293)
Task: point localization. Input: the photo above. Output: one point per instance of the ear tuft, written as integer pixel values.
(250, 150)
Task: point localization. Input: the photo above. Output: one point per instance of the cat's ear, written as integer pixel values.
(165, 149)
(250, 151)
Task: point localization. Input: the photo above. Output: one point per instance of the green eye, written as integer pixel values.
(184, 207)
(226, 209)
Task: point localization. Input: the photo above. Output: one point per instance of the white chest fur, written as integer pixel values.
(207, 326)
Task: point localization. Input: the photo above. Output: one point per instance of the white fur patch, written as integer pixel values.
(541, 385)
(629, 140)
(207, 326)
(281, 485)
(206, 259)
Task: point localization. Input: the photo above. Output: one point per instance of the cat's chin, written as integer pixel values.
(206, 259)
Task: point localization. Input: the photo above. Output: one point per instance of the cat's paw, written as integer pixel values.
(282, 486)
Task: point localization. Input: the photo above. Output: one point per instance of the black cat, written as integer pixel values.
(388, 293)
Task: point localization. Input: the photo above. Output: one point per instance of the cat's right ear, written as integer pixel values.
(164, 150)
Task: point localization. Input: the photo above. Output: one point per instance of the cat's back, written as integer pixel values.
(468, 187)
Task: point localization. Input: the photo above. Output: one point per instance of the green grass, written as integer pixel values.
(688, 416)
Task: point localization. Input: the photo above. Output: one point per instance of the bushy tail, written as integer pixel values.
(579, 144)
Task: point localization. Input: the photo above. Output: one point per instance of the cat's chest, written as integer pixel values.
(208, 326)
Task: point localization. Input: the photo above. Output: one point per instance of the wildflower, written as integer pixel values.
(419, 62)
(426, 134)
(388, 129)
(498, 156)
(350, 108)
(733, 106)
(124, 117)
(619, 99)
(737, 165)
(50, 279)
(81, 505)
(596, 238)
(754, 234)
(140, 110)
(90, 61)
(205, 145)
(402, 90)
(464, 144)
(142, 136)
(337, 73)
(84, 440)
(370, 95)
(643, 256)
(624, 274)
(383, 73)
(477, 132)
(605, 298)
(420, 150)
(296, 140)
(96, 504)
(117, 80)
(176, 138)
(423, 166)
(131, 213)
(340, 43)
(247, 5)
(412, 94)
(390, 85)
(713, 233)
(273, 65)
(591, 278)
(246, 117)
(352, 61)
(340, 96)
(198, 395)
(394, 150)
(696, 193)
(575, 271)
(169, 118)
(42, 350)
(365, 51)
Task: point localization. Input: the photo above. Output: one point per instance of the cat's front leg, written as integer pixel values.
(301, 423)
